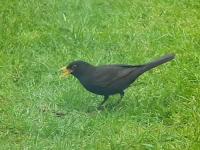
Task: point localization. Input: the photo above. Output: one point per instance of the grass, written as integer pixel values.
(160, 111)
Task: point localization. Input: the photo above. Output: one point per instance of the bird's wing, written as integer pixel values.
(127, 66)
(106, 75)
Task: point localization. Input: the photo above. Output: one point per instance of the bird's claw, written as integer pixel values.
(101, 107)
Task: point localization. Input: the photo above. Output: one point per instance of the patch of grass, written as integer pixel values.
(160, 111)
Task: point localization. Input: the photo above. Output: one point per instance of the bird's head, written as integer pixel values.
(76, 68)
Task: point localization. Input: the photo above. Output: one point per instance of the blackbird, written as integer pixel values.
(107, 80)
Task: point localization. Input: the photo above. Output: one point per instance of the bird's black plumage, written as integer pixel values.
(110, 79)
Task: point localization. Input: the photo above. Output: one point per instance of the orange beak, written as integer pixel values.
(65, 72)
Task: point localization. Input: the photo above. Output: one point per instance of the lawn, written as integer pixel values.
(159, 111)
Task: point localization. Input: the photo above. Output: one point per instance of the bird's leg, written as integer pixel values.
(121, 96)
(105, 99)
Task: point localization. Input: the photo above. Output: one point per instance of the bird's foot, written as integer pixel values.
(101, 107)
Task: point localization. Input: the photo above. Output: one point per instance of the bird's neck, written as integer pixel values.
(83, 74)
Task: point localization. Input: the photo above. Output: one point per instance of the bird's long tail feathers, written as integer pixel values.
(158, 62)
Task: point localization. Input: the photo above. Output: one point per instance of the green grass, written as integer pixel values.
(160, 111)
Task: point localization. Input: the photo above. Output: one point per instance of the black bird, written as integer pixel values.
(107, 80)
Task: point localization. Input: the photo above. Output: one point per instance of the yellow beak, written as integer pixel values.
(65, 72)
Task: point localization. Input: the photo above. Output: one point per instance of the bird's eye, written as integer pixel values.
(74, 66)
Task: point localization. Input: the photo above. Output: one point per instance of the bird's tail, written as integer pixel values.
(158, 62)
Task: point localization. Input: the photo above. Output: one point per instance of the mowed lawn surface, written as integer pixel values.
(159, 111)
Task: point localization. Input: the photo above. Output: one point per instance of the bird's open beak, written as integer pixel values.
(65, 72)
